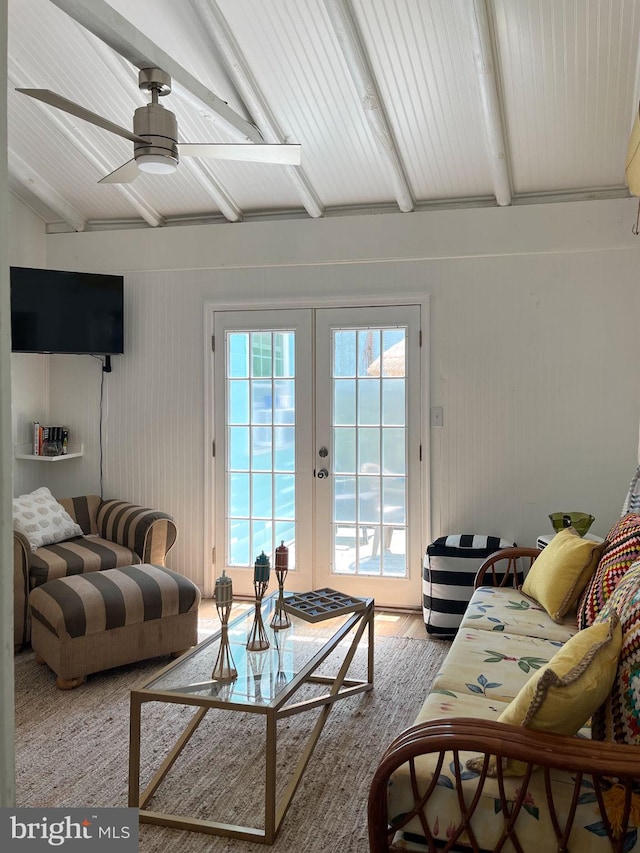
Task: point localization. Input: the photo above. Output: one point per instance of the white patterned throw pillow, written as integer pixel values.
(40, 518)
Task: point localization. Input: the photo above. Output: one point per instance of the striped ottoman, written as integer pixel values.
(92, 622)
(448, 576)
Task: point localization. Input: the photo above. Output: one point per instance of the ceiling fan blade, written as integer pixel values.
(61, 103)
(287, 155)
(123, 174)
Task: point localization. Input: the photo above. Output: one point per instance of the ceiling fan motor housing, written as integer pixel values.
(160, 127)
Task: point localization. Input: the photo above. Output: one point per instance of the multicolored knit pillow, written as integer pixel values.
(622, 548)
(618, 718)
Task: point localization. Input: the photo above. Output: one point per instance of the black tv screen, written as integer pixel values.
(53, 311)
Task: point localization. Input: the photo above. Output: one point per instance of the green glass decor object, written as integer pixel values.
(580, 521)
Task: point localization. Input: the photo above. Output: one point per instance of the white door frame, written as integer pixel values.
(297, 320)
(283, 303)
(392, 591)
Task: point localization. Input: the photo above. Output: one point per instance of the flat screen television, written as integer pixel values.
(53, 311)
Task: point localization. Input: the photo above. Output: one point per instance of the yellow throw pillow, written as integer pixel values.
(562, 571)
(563, 694)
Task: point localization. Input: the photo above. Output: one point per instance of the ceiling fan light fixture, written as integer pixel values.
(155, 135)
(156, 164)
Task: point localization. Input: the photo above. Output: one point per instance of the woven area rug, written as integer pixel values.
(72, 751)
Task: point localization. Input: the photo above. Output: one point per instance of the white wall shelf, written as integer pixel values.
(22, 452)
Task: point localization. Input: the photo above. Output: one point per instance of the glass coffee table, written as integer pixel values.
(291, 662)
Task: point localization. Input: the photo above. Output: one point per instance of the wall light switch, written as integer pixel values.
(436, 416)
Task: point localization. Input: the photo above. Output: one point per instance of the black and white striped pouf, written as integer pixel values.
(448, 574)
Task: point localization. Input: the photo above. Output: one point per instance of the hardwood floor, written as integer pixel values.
(387, 624)
(400, 625)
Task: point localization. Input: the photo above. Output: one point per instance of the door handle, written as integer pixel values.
(322, 474)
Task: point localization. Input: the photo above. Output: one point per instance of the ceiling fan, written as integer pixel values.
(156, 148)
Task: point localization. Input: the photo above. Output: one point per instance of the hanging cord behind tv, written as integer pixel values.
(106, 368)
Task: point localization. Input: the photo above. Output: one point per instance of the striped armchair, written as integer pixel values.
(116, 533)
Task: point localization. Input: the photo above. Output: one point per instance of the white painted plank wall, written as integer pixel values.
(531, 360)
(533, 357)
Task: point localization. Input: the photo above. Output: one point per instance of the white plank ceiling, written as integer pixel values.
(397, 104)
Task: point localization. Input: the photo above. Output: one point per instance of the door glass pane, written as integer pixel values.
(238, 448)
(368, 401)
(368, 350)
(369, 451)
(239, 495)
(369, 499)
(284, 496)
(344, 450)
(344, 353)
(284, 354)
(238, 402)
(238, 361)
(393, 352)
(344, 498)
(239, 539)
(261, 497)
(285, 449)
(261, 449)
(393, 451)
(393, 402)
(260, 426)
(261, 354)
(344, 405)
(284, 396)
(261, 401)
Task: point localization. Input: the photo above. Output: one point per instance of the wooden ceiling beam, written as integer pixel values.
(36, 184)
(113, 29)
(244, 80)
(495, 134)
(357, 61)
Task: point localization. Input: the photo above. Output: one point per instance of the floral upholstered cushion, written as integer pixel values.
(535, 827)
(561, 572)
(508, 611)
(622, 549)
(450, 802)
(563, 694)
(618, 719)
(492, 665)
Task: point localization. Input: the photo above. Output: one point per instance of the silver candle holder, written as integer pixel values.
(257, 640)
(281, 618)
(224, 669)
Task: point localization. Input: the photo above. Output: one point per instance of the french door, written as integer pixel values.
(317, 445)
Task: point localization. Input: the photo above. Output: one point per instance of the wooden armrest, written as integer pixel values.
(501, 567)
(603, 762)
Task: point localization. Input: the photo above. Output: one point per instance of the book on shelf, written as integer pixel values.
(51, 438)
